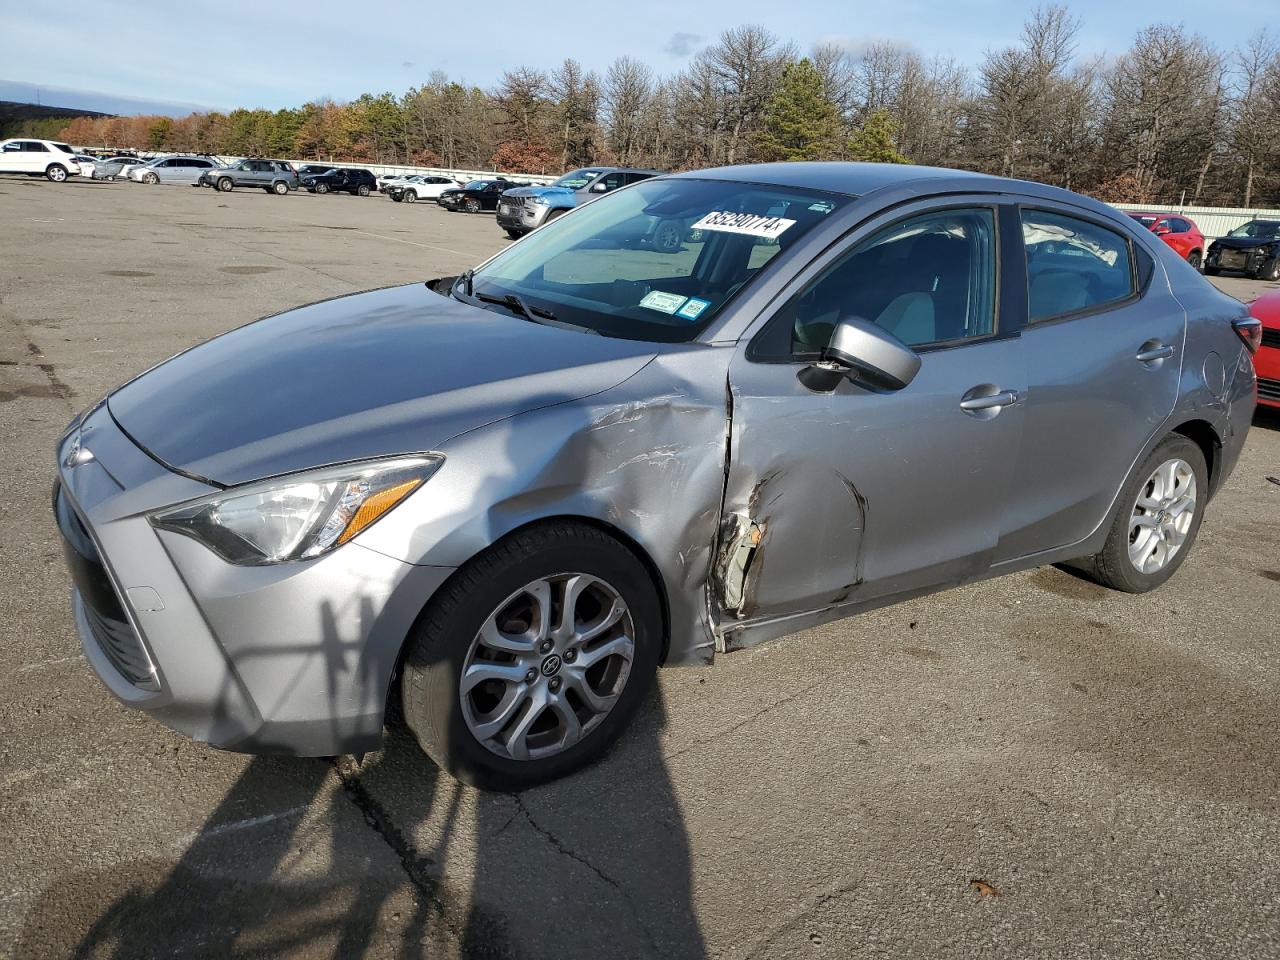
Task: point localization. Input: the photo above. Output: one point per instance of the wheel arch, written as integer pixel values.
(1204, 436)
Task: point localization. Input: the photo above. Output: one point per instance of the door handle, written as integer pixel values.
(1002, 398)
(1154, 350)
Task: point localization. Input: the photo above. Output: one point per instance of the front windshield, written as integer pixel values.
(1145, 219)
(656, 261)
(577, 179)
(477, 185)
(1258, 229)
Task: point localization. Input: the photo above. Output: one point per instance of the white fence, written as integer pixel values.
(1214, 222)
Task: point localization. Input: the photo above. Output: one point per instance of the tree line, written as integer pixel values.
(1171, 119)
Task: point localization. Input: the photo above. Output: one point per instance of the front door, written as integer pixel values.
(847, 495)
(1104, 341)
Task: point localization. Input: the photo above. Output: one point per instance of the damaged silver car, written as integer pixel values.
(507, 497)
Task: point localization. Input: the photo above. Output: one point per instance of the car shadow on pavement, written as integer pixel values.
(390, 857)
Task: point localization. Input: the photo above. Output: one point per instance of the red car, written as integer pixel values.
(1177, 231)
(1267, 360)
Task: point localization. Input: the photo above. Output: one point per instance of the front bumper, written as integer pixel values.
(1248, 260)
(1266, 364)
(290, 658)
(522, 216)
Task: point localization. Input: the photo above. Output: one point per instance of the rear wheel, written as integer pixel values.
(280, 188)
(362, 190)
(1193, 258)
(1156, 519)
(531, 660)
(56, 172)
(225, 184)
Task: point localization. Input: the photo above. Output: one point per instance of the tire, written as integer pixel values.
(410, 196)
(322, 188)
(56, 173)
(150, 178)
(1212, 271)
(668, 236)
(554, 215)
(280, 188)
(362, 190)
(1193, 258)
(515, 234)
(397, 198)
(1269, 271)
(472, 206)
(1113, 566)
(225, 185)
(446, 639)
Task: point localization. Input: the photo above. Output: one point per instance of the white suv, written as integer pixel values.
(47, 158)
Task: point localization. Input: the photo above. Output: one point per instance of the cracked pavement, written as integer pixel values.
(1105, 765)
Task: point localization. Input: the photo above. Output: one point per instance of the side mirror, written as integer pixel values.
(1161, 231)
(600, 187)
(869, 355)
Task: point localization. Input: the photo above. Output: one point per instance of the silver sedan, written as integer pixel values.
(513, 494)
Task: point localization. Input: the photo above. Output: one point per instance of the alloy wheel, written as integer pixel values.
(1162, 516)
(547, 666)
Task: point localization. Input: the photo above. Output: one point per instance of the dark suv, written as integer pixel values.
(476, 196)
(350, 180)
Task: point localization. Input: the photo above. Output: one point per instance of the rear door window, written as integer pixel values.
(1074, 266)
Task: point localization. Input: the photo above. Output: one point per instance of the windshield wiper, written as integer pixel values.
(516, 304)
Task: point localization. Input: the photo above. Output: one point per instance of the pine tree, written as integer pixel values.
(874, 142)
(799, 123)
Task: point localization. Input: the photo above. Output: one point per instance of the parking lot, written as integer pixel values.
(1030, 766)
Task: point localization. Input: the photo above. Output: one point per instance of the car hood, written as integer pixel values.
(558, 192)
(1242, 243)
(386, 372)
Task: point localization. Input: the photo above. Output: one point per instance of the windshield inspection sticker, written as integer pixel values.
(751, 224)
(662, 302)
(692, 308)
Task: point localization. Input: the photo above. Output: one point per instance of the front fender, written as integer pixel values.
(645, 457)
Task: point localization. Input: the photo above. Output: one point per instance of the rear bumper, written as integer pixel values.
(292, 658)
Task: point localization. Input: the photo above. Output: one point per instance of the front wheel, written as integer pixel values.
(410, 196)
(225, 184)
(56, 172)
(1269, 271)
(362, 190)
(322, 188)
(150, 178)
(668, 236)
(472, 206)
(1212, 271)
(514, 234)
(1156, 519)
(532, 659)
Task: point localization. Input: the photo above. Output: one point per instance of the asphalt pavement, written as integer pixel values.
(1028, 767)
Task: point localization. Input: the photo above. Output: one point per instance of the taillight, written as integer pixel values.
(1250, 330)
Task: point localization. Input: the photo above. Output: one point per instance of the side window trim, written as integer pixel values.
(1004, 325)
(1137, 289)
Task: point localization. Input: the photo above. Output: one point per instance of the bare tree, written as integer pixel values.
(746, 63)
(628, 87)
(1255, 111)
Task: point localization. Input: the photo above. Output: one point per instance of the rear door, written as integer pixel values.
(1103, 344)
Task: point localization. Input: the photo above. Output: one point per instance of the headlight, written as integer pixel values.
(299, 516)
(539, 201)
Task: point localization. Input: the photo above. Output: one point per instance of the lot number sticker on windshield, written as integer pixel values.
(750, 224)
(663, 302)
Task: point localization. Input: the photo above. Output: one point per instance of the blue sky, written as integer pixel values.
(258, 53)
